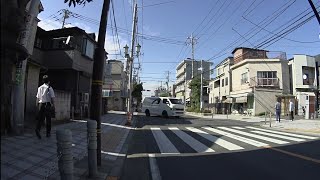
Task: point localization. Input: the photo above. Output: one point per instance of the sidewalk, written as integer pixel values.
(27, 157)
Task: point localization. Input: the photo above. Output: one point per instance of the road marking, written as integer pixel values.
(118, 126)
(196, 145)
(236, 137)
(255, 136)
(219, 141)
(155, 173)
(163, 142)
(241, 128)
(284, 133)
(294, 154)
(279, 136)
(113, 154)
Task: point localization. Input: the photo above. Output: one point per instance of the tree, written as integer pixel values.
(195, 86)
(137, 92)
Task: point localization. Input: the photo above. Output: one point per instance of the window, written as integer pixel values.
(107, 93)
(156, 101)
(267, 78)
(88, 48)
(226, 81)
(38, 43)
(222, 82)
(165, 101)
(244, 78)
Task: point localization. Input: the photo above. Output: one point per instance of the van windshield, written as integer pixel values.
(175, 101)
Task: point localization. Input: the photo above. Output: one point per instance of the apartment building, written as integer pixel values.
(220, 86)
(184, 77)
(259, 78)
(114, 90)
(302, 69)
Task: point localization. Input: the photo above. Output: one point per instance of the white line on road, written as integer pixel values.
(155, 173)
(255, 136)
(241, 128)
(196, 145)
(163, 142)
(279, 136)
(236, 137)
(219, 141)
(283, 133)
(113, 154)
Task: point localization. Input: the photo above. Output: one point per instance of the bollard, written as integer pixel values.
(270, 119)
(64, 150)
(92, 147)
(227, 113)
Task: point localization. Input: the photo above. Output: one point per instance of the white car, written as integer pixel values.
(162, 106)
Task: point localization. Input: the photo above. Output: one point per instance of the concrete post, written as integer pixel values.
(92, 147)
(265, 117)
(270, 119)
(64, 150)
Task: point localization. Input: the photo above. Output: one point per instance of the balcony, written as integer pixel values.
(265, 82)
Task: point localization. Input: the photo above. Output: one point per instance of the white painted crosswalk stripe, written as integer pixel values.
(279, 136)
(163, 142)
(241, 128)
(219, 141)
(196, 145)
(284, 133)
(236, 137)
(255, 136)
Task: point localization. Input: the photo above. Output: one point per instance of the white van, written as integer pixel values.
(162, 106)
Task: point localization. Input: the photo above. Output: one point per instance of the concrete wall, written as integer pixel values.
(265, 100)
(31, 110)
(62, 105)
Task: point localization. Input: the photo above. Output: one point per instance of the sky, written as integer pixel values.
(218, 26)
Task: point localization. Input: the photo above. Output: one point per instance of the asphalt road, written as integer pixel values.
(195, 148)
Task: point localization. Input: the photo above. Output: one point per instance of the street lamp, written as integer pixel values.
(130, 65)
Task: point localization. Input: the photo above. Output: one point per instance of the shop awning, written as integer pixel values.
(242, 99)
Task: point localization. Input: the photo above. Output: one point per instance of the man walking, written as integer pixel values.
(45, 98)
(278, 110)
(291, 109)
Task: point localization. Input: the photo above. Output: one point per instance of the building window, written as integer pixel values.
(222, 82)
(107, 93)
(267, 78)
(38, 43)
(87, 48)
(244, 78)
(308, 75)
(226, 81)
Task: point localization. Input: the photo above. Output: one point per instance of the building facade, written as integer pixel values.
(259, 78)
(115, 86)
(220, 87)
(302, 69)
(66, 55)
(184, 77)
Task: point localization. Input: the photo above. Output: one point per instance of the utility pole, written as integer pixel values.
(65, 16)
(97, 75)
(317, 90)
(314, 10)
(168, 77)
(201, 87)
(192, 41)
(130, 59)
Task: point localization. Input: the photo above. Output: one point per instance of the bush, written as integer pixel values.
(261, 114)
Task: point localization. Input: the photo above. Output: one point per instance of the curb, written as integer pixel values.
(118, 166)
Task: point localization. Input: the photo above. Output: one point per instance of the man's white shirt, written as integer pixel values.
(291, 106)
(44, 93)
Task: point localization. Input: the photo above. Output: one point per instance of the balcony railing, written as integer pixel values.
(264, 82)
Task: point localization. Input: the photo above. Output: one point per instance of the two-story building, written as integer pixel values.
(259, 77)
(220, 87)
(114, 90)
(66, 55)
(302, 69)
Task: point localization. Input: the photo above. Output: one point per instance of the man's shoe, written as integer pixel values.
(38, 134)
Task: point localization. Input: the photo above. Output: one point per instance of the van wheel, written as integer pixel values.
(147, 112)
(164, 114)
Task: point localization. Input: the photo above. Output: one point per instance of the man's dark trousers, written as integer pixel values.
(291, 115)
(44, 113)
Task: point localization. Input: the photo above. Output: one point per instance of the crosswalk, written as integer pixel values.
(207, 139)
